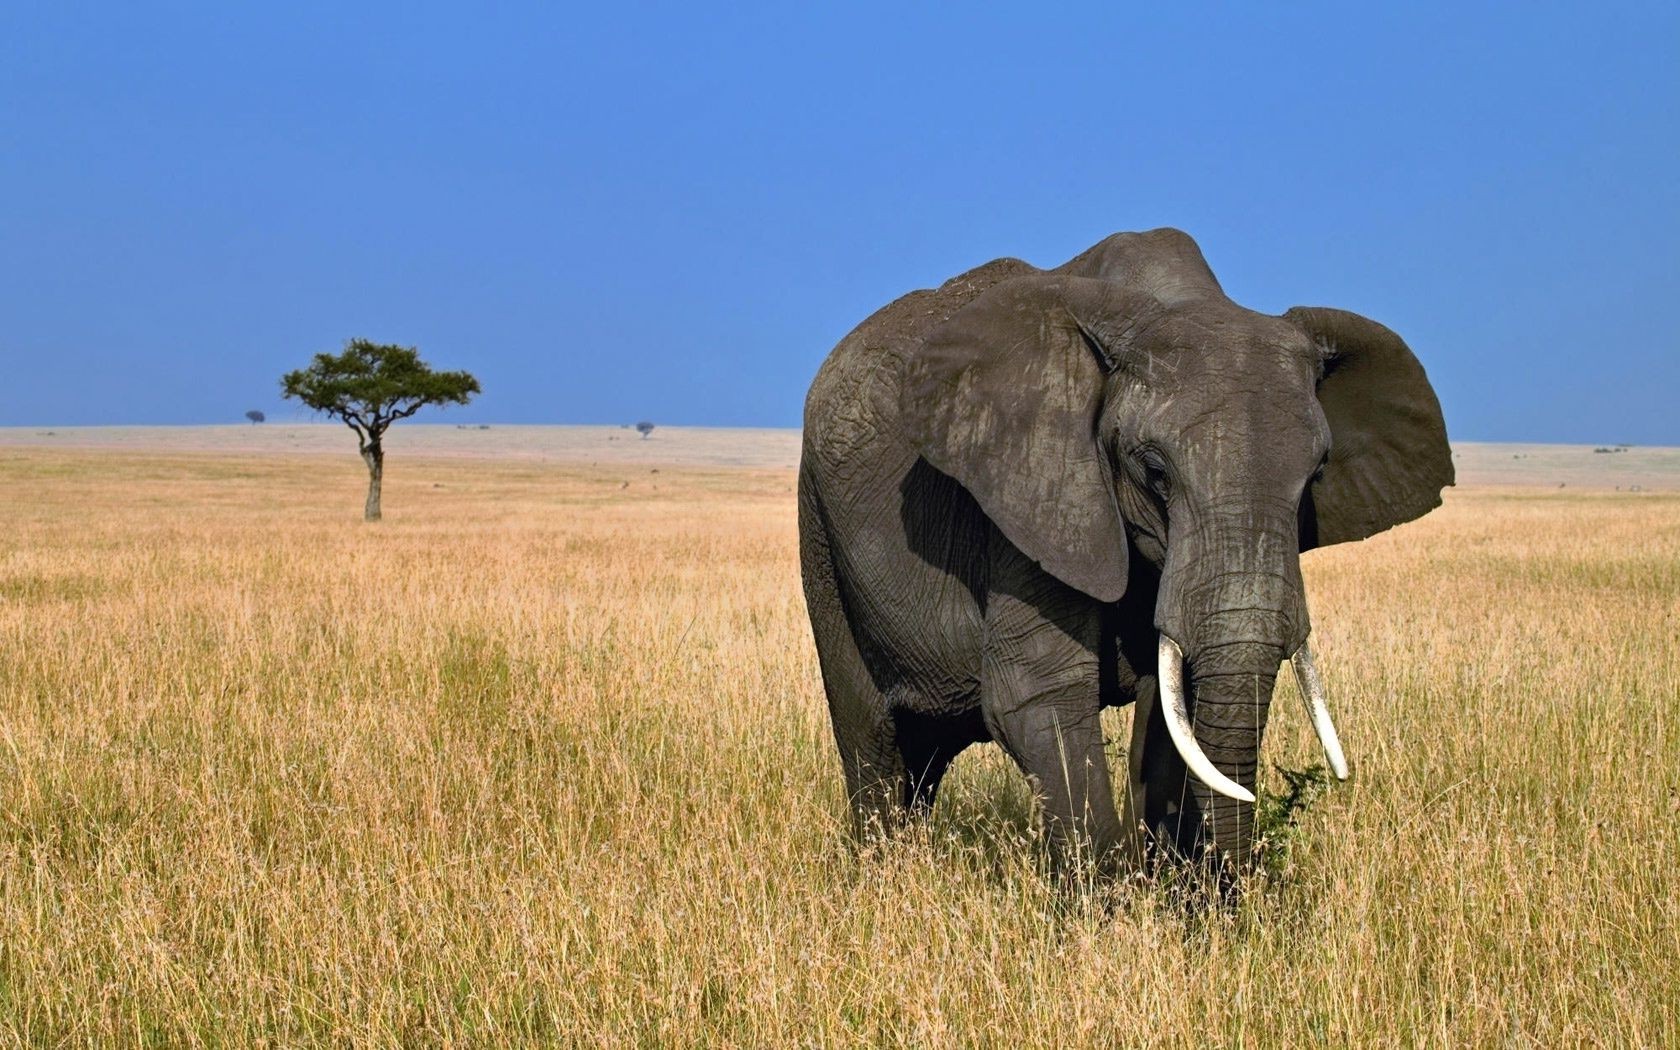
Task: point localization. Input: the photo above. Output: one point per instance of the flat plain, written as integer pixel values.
(543, 758)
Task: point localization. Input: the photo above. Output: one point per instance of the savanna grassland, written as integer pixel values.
(543, 758)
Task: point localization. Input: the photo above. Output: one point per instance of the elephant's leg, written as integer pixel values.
(1158, 801)
(876, 780)
(1039, 693)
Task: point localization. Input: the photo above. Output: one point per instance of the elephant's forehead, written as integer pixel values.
(1226, 359)
(1222, 328)
(1225, 376)
(1224, 409)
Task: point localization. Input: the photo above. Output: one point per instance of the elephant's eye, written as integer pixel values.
(1154, 470)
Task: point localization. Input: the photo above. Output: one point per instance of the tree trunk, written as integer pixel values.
(374, 456)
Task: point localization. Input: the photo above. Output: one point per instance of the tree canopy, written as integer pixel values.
(372, 385)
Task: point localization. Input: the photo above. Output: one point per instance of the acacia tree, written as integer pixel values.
(255, 416)
(370, 386)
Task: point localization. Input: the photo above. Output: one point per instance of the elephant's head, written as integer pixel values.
(1123, 401)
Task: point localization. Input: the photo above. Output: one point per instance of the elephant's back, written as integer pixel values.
(905, 323)
(853, 401)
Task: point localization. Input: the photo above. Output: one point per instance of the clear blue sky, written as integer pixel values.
(620, 211)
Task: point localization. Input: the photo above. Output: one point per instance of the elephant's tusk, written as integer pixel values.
(1170, 675)
(1312, 688)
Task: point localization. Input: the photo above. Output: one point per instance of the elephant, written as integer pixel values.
(1030, 494)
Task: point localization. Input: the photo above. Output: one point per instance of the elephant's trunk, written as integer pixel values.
(1183, 731)
(1232, 685)
(1232, 599)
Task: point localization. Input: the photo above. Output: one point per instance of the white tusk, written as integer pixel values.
(1312, 688)
(1169, 674)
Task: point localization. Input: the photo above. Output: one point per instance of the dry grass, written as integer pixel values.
(544, 759)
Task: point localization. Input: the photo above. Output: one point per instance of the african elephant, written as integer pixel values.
(1029, 494)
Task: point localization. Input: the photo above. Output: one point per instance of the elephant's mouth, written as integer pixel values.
(1170, 676)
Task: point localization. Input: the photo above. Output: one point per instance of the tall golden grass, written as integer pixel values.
(543, 758)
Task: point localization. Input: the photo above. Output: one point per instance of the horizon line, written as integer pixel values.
(49, 428)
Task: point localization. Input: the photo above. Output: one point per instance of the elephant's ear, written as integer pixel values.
(1004, 397)
(1389, 458)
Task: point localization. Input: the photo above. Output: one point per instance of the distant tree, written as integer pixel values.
(370, 386)
(644, 428)
(255, 416)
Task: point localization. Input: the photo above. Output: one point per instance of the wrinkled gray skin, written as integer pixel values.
(1010, 484)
